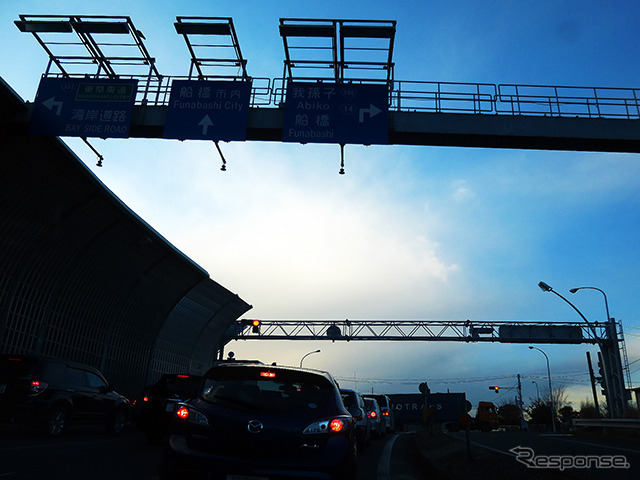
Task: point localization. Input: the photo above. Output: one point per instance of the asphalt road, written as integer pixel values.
(92, 454)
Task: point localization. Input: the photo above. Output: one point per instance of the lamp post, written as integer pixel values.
(537, 390)
(546, 288)
(606, 304)
(553, 410)
(305, 356)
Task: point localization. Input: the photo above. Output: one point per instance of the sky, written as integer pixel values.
(409, 232)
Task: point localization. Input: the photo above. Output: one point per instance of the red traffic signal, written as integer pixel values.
(254, 324)
(495, 388)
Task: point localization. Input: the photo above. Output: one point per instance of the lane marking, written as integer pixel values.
(384, 465)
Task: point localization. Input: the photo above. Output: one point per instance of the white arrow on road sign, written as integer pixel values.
(51, 102)
(205, 123)
(372, 111)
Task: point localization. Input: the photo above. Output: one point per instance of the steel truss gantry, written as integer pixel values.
(425, 330)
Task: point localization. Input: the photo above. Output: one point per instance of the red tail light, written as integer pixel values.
(183, 413)
(336, 425)
(192, 416)
(385, 413)
(145, 399)
(373, 415)
(37, 387)
(268, 374)
(183, 376)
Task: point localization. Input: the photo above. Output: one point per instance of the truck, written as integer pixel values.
(486, 418)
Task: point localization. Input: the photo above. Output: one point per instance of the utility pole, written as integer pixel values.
(520, 403)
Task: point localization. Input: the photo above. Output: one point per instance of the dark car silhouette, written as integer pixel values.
(257, 421)
(53, 394)
(152, 411)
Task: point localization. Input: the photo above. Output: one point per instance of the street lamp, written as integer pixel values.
(546, 288)
(310, 353)
(606, 304)
(553, 410)
(537, 390)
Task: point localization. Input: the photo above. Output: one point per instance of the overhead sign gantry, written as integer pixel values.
(78, 102)
(327, 99)
(335, 73)
(213, 104)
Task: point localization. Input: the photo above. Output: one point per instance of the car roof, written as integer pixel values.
(45, 359)
(225, 365)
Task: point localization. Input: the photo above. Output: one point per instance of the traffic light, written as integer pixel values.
(600, 369)
(495, 388)
(255, 326)
(603, 378)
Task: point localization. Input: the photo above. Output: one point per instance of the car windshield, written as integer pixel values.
(348, 398)
(267, 391)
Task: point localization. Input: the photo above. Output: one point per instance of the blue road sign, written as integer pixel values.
(208, 110)
(83, 107)
(336, 113)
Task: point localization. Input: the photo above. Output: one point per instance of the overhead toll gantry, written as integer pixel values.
(351, 53)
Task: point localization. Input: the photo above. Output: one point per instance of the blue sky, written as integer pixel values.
(409, 232)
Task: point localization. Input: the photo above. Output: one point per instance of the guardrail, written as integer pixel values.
(587, 102)
(606, 423)
(447, 97)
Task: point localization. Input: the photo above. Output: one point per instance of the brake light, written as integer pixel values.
(37, 387)
(385, 413)
(373, 415)
(336, 425)
(192, 416)
(14, 359)
(145, 399)
(268, 374)
(183, 376)
(183, 413)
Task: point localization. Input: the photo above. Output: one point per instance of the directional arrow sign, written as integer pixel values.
(205, 123)
(83, 107)
(51, 102)
(208, 110)
(336, 113)
(372, 111)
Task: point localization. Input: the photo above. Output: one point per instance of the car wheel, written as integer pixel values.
(117, 422)
(56, 422)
